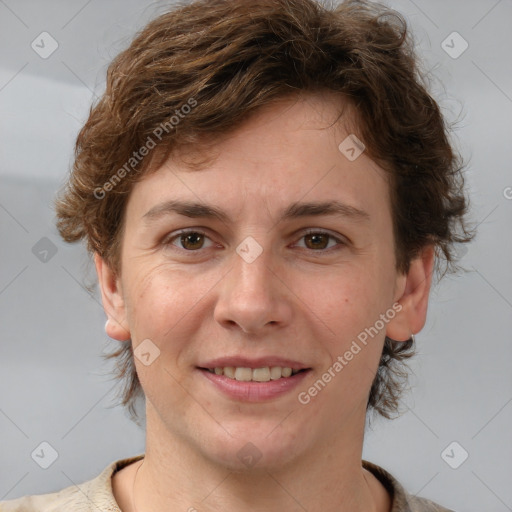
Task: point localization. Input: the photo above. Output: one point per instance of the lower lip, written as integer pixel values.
(254, 391)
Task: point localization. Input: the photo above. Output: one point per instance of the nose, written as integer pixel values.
(254, 296)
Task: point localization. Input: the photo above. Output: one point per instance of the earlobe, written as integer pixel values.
(116, 331)
(113, 302)
(414, 297)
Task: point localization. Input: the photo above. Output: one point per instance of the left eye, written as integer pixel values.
(319, 240)
(193, 240)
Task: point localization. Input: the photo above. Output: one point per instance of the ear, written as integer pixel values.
(412, 293)
(113, 302)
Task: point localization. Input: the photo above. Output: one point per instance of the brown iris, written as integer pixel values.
(192, 240)
(316, 239)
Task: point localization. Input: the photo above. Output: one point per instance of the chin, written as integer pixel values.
(263, 446)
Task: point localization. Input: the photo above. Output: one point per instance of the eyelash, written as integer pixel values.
(168, 241)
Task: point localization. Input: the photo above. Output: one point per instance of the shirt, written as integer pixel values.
(96, 494)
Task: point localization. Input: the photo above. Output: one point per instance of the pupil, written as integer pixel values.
(190, 239)
(316, 238)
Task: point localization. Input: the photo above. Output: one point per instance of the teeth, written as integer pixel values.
(286, 372)
(264, 374)
(243, 374)
(261, 374)
(275, 372)
(229, 371)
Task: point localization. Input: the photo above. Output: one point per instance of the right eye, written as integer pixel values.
(191, 240)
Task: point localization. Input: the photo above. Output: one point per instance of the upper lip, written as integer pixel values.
(259, 362)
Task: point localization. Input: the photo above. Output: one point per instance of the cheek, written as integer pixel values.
(160, 303)
(157, 297)
(351, 309)
(347, 302)
(164, 305)
(350, 305)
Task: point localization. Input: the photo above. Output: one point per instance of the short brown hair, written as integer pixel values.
(226, 59)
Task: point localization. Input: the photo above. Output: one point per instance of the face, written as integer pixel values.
(282, 257)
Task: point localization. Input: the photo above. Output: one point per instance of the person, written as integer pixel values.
(266, 188)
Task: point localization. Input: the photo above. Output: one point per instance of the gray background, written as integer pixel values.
(55, 386)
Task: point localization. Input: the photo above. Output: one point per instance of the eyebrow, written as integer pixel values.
(293, 211)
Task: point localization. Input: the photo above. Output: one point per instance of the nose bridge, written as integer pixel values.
(250, 270)
(249, 296)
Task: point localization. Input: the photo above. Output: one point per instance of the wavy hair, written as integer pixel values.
(232, 57)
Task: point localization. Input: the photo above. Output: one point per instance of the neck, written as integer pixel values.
(175, 476)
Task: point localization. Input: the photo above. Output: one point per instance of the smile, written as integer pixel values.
(264, 374)
(253, 384)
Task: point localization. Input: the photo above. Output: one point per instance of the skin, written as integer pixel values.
(298, 300)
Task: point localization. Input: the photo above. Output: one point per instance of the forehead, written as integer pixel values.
(286, 151)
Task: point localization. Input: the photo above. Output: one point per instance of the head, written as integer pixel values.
(245, 107)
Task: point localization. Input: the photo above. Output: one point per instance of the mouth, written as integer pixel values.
(263, 374)
(257, 384)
